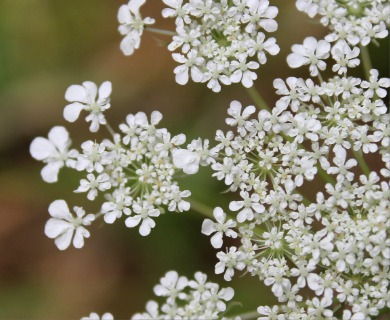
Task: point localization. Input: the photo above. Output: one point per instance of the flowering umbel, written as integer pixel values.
(324, 254)
(132, 171)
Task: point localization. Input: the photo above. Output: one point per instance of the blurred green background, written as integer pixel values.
(47, 45)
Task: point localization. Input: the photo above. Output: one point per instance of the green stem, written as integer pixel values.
(201, 208)
(325, 176)
(258, 99)
(367, 65)
(161, 31)
(362, 163)
(110, 130)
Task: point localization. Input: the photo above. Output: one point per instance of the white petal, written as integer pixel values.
(78, 240)
(236, 76)
(134, 5)
(127, 45)
(59, 137)
(124, 15)
(72, 111)
(59, 209)
(146, 227)
(110, 217)
(295, 60)
(75, 93)
(49, 172)
(236, 205)
(55, 227)
(219, 215)
(248, 111)
(182, 77)
(42, 148)
(155, 117)
(227, 294)
(132, 221)
(90, 90)
(196, 74)
(63, 241)
(191, 168)
(160, 290)
(105, 90)
(208, 227)
(216, 240)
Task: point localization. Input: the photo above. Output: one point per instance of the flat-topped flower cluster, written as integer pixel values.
(184, 299)
(133, 169)
(221, 42)
(310, 218)
(292, 243)
(355, 21)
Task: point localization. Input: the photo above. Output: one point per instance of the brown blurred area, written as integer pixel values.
(47, 45)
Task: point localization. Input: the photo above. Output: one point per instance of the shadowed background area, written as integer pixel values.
(47, 45)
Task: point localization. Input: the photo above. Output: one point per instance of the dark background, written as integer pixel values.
(47, 45)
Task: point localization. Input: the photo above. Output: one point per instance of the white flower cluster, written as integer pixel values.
(314, 53)
(134, 170)
(337, 245)
(184, 299)
(221, 42)
(187, 299)
(355, 21)
(132, 25)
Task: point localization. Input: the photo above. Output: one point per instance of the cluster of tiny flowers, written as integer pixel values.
(133, 170)
(184, 299)
(132, 25)
(355, 21)
(337, 246)
(221, 42)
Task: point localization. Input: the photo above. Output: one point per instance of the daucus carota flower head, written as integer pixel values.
(221, 42)
(192, 299)
(134, 170)
(356, 22)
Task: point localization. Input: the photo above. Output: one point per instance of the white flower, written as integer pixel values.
(177, 202)
(218, 40)
(89, 98)
(249, 206)
(268, 313)
(344, 57)
(220, 228)
(151, 312)
(63, 225)
(375, 86)
(171, 286)
(143, 213)
(312, 52)
(53, 151)
(132, 25)
(243, 71)
(176, 10)
(186, 160)
(95, 316)
(93, 184)
(231, 260)
(239, 117)
(94, 157)
(190, 65)
(342, 167)
(120, 203)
